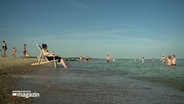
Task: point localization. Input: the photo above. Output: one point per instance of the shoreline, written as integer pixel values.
(17, 65)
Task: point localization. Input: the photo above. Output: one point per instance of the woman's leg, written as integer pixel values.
(63, 63)
(4, 53)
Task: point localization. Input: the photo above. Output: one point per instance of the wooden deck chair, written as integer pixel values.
(42, 59)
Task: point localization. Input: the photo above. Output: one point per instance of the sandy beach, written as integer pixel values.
(91, 52)
(13, 66)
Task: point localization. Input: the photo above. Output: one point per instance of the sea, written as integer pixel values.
(122, 81)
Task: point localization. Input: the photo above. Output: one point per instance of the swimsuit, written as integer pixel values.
(52, 58)
(13, 53)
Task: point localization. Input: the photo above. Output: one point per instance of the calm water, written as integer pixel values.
(154, 72)
(118, 82)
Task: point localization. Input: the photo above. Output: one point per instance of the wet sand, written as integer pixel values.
(91, 86)
(14, 66)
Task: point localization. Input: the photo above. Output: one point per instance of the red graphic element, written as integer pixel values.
(14, 97)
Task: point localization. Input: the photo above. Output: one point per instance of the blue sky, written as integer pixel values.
(121, 28)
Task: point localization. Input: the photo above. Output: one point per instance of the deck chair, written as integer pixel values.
(42, 59)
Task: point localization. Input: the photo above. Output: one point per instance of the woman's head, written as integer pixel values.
(173, 55)
(169, 57)
(44, 46)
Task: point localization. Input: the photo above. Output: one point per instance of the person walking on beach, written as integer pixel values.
(169, 60)
(173, 60)
(162, 59)
(24, 50)
(108, 58)
(4, 48)
(14, 51)
(51, 56)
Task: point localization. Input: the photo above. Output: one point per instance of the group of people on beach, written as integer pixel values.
(171, 60)
(25, 53)
(14, 50)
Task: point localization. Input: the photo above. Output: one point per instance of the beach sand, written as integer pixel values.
(13, 66)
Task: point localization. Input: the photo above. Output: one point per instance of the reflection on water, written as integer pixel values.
(97, 82)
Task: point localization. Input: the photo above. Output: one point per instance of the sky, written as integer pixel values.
(95, 28)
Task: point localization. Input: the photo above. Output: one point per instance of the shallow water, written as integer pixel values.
(97, 82)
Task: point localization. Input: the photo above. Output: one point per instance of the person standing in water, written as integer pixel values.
(142, 59)
(163, 59)
(173, 60)
(135, 60)
(108, 58)
(169, 60)
(80, 59)
(86, 59)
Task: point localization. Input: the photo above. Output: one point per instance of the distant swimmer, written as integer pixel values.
(152, 60)
(108, 58)
(173, 60)
(113, 60)
(80, 59)
(142, 59)
(86, 59)
(163, 59)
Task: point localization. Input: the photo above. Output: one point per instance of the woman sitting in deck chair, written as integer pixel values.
(51, 56)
